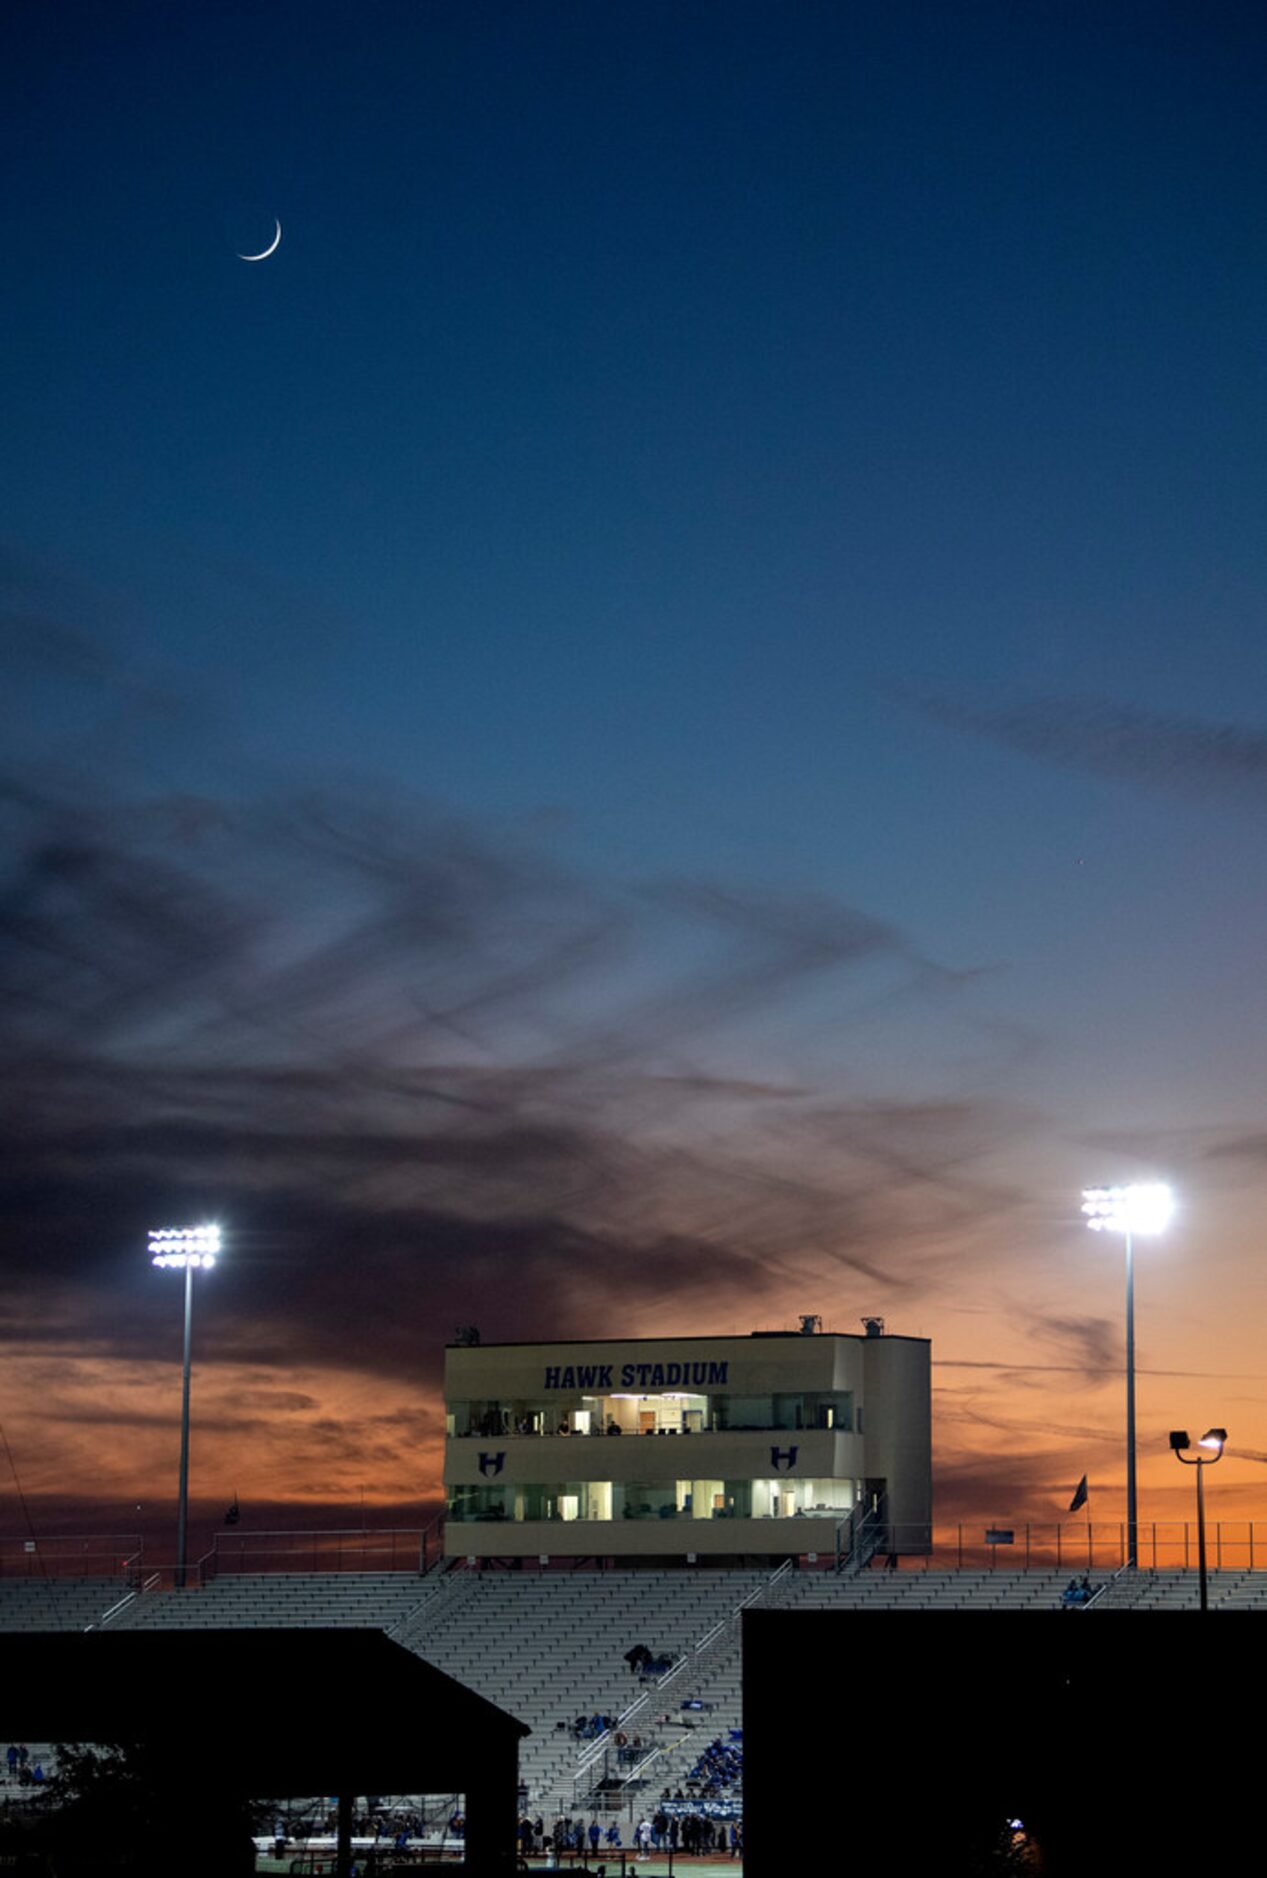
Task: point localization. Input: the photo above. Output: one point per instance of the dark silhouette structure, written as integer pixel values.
(270, 1714)
(1120, 1740)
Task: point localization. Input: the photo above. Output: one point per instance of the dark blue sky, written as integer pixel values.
(756, 461)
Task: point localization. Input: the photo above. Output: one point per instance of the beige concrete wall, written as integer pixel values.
(897, 1427)
(641, 1538)
(754, 1366)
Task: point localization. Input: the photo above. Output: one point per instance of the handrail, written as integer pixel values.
(689, 1659)
(1102, 1590)
(691, 1656)
(431, 1601)
(601, 1743)
(875, 1522)
(437, 1519)
(120, 1604)
(758, 1591)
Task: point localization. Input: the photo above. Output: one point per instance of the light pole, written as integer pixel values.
(184, 1248)
(1129, 1211)
(1215, 1438)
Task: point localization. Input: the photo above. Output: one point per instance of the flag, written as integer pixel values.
(1080, 1497)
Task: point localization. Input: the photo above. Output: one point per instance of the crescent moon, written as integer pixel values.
(272, 247)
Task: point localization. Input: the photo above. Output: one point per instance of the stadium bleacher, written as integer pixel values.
(550, 1647)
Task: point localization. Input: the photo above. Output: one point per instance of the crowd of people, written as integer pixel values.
(567, 1835)
(701, 1817)
(718, 1768)
(662, 1831)
(23, 1771)
(1077, 1591)
(686, 1830)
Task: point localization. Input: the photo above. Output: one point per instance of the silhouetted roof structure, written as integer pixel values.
(307, 1706)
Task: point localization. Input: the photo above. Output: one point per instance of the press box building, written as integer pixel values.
(686, 1447)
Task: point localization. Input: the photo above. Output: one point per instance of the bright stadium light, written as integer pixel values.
(1216, 1440)
(180, 1247)
(1146, 1209)
(188, 1249)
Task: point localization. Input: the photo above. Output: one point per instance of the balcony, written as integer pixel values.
(813, 1531)
(730, 1454)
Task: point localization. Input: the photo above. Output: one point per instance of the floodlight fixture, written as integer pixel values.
(1179, 1440)
(1214, 1438)
(178, 1248)
(1145, 1209)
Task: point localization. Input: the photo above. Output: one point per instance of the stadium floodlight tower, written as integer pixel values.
(188, 1249)
(1142, 1210)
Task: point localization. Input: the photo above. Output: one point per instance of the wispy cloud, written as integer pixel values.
(423, 1072)
(1092, 1344)
(1157, 751)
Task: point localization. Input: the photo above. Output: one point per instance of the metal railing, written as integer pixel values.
(1163, 1545)
(92, 1555)
(1102, 1596)
(431, 1543)
(699, 1657)
(436, 1598)
(116, 1610)
(859, 1535)
(350, 1549)
(1233, 1545)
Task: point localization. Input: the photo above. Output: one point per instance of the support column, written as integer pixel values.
(492, 1817)
(343, 1850)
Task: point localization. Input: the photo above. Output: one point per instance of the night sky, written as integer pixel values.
(659, 722)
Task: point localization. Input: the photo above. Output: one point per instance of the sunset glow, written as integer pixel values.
(651, 729)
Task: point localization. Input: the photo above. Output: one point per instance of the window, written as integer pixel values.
(482, 1503)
